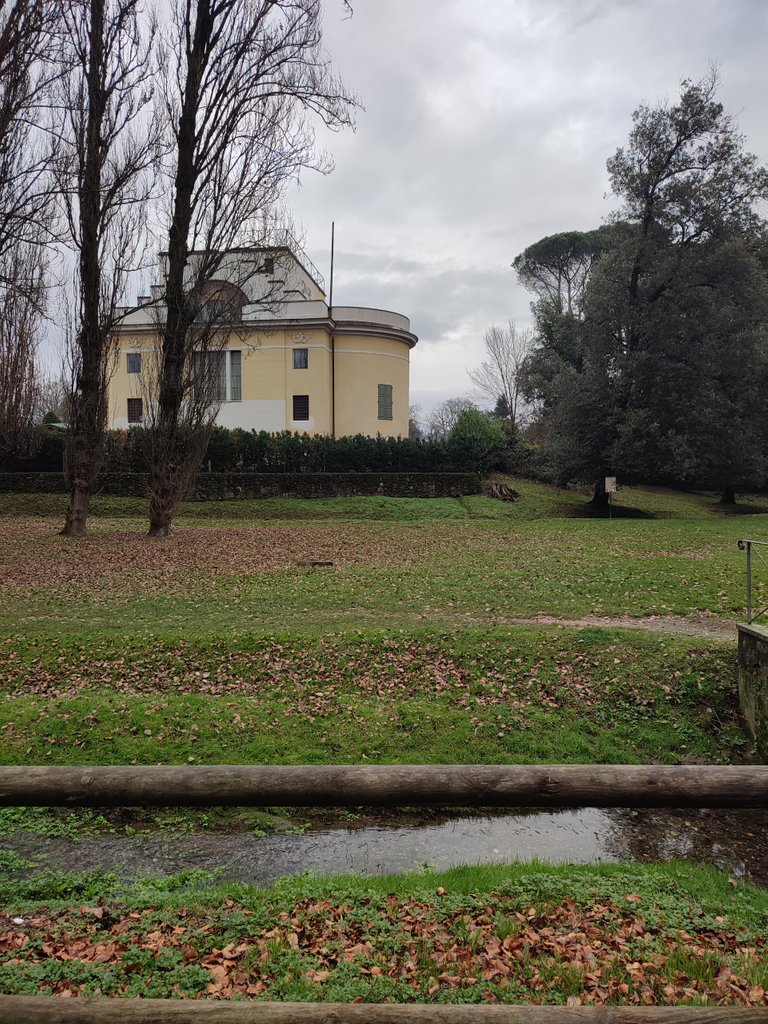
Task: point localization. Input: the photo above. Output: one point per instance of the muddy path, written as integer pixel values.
(705, 626)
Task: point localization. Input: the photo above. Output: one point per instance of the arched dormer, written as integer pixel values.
(221, 301)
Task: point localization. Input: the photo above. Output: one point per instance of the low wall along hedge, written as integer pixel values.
(223, 486)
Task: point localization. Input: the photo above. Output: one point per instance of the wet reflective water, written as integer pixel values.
(734, 840)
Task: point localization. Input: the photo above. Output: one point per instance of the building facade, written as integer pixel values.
(286, 360)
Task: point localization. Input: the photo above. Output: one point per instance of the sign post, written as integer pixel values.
(611, 488)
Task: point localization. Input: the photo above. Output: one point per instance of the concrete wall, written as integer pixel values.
(753, 683)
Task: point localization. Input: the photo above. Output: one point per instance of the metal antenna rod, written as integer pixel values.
(330, 289)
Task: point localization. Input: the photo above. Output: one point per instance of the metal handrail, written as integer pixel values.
(286, 238)
(747, 545)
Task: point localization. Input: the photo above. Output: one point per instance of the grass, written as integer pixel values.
(501, 696)
(523, 695)
(510, 933)
(227, 578)
(219, 646)
(538, 501)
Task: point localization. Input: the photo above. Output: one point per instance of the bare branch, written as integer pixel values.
(22, 283)
(105, 149)
(496, 379)
(442, 418)
(240, 80)
(27, 32)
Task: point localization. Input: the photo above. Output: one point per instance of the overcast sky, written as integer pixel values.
(486, 127)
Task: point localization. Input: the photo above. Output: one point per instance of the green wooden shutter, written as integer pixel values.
(385, 401)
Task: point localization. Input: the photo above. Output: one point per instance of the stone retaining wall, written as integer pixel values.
(753, 683)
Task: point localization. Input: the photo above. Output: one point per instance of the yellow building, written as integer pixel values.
(289, 361)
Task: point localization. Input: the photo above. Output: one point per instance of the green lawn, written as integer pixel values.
(222, 645)
(112, 647)
(537, 501)
(217, 577)
(475, 696)
(509, 934)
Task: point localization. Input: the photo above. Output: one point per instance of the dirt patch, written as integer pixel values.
(706, 626)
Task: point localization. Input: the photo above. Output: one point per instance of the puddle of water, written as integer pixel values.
(734, 840)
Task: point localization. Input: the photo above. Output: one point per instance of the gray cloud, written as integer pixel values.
(487, 126)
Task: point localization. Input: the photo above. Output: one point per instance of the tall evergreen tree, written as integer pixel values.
(660, 376)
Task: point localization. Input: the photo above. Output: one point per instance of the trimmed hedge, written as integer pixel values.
(223, 486)
(251, 451)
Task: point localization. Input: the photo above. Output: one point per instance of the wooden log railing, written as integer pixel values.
(48, 1010)
(383, 786)
(387, 786)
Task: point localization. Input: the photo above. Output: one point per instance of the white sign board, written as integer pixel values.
(610, 485)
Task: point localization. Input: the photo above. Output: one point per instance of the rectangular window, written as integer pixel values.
(235, 377)
(218, 375)
(135, 410)
(220, 365)
(134, 362)
(300, 358)
(301, 407)
(385, 401)
(209, 376)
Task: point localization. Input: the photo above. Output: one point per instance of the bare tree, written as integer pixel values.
(52, 397)
(175, 455)
(497, 377)
(27, 34)
(241, 78)
(105, 147)
(21, 306)
(442, 418)
(27, 31)
(415, 431)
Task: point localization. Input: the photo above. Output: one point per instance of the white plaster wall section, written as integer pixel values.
(311, 309)
(253, 414)
(344, 315)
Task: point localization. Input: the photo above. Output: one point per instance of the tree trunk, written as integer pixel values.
(162, 499)
(600, 496)
(728, 497)
(159, 524)
(390, 785)
(77, 513)
(88, 400)
(84, 449)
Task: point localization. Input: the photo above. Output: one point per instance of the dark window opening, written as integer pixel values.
(301, 407)
(269, 265)
(300, 358)
(209, 376)
(134, 362)
(235, 377)
(217, 309)
(135, 410)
